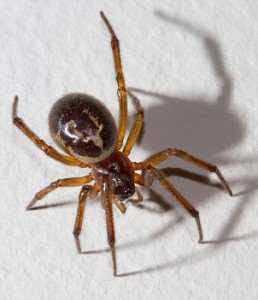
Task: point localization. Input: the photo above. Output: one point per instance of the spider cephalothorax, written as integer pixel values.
(85, 129)
(121, 173)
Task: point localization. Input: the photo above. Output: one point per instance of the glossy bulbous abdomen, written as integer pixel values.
(83, 127)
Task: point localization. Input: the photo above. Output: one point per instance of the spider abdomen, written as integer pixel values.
(83, 127)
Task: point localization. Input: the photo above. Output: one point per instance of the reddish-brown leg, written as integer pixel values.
(163, 155)
(48, 150)
(107, 201)
(139, 198)
(80, 214)
(136, 127)
(65, 182)
(121, 91)
(119, 205)
(137, 177)
(191, 210)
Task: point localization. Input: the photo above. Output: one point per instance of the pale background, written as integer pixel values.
(195, 67)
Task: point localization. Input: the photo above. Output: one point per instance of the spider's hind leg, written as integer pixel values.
(48, 150)
(170, 152)
(157, 174)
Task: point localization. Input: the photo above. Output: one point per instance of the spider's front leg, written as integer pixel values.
(64, 182)
(48, 150)
(122, 97)
(121, 87)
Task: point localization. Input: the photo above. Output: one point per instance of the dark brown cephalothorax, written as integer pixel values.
(86, 131)
(83, 127)
(121, 172)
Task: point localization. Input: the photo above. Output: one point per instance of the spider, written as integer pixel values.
(85, 129)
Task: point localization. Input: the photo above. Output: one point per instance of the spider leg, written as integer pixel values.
(106, 196)
(177, 195)
(50, 151)
(139, 198)
(80, 214)
(137, 177)
(65, 182)
(136, 127)
(121, 91)
(163, 155)
(119, 205)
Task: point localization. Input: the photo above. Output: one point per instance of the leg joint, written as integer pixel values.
(115, 41)
(175, 152)
(194, 213)
(121, 90)
(214, 169)
(47, 149)
(76, 232)
(140, 112)
(171, 151)
(111, 242)
(16, 120)
(56, 183)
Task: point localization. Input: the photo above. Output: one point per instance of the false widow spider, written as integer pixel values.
(85, 129)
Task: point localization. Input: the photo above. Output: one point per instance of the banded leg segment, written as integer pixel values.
(65, 182)
(178, 196)
(163, 155)
(48, 150)
(136, 127)
(121, 91)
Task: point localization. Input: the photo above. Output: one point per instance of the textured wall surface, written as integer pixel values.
(193, 64)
